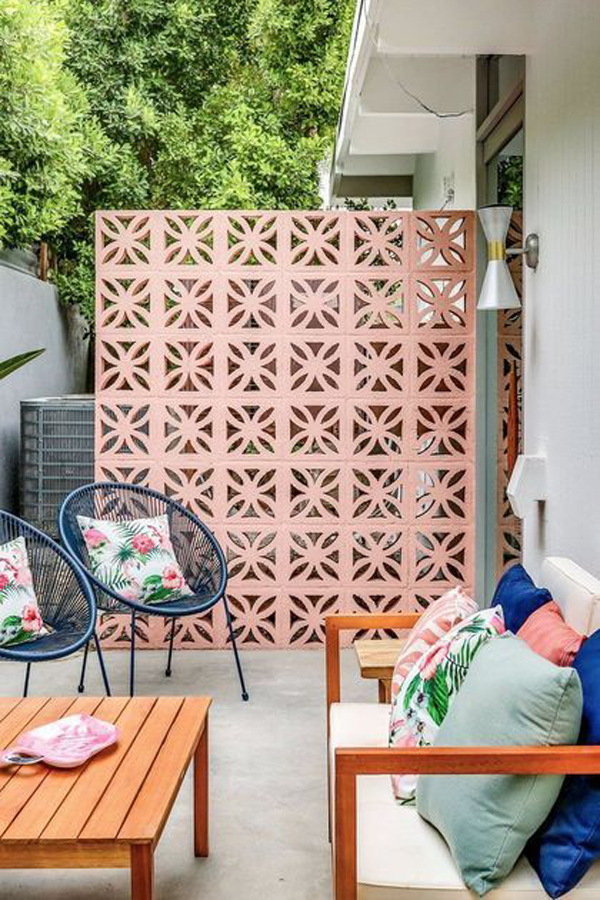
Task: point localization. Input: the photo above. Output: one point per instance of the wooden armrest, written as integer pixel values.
(558, 760)
(350, 762)
(337, 623)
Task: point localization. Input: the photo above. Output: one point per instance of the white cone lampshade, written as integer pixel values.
(498, 289)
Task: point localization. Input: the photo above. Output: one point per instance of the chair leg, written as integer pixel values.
(235, 649)
(81, 685)
(169, 670)
(26, 685)
(102, 666)
(132, 657)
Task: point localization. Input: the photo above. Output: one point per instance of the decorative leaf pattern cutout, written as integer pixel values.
(302, 381)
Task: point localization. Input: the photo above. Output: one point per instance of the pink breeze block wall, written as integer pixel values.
(303, 381)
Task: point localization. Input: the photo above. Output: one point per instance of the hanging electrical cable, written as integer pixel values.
(396, 81)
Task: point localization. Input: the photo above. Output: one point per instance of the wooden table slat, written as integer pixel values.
(24, 719)
(26, 780)
(108, 816)
(146, 819)
(15, 722)
(377, 658)
(7, 704)
(73, 814)
(36, 814)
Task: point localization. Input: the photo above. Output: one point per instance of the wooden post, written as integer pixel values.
(345, 868)
(512, 438)
(332, 663)
(201, 795)
(44, 261)
(142, 872)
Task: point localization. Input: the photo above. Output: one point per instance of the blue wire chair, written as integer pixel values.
(197, 550)
(65, 598)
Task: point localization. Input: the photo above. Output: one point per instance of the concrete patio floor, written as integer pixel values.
(268, 778)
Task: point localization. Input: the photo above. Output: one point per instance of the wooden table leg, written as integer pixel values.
(201, 795)
(385, 690)
(142, 872)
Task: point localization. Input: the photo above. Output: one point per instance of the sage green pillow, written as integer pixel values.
(511, 696)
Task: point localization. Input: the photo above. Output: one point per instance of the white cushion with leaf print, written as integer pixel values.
(437, 620)
(20, 618)
(428, 690)
(135, 558)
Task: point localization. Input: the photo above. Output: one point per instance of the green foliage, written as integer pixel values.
(510, 181)
(174, 104)
(42, 125)
(7, 366)
(75, 277)
(439, 696)
(412, 690)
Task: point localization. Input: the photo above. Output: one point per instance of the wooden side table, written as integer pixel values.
(111, 812)
(376, 659)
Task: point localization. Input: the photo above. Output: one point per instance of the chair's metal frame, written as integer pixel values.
(65, 598)
(91, 500)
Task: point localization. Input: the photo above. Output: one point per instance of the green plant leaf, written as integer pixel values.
(439, 700)
(8, 366)
(151, 581)
(412, 690)
(160, 594)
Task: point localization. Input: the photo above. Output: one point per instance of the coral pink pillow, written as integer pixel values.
(442, 615)
(546, 632)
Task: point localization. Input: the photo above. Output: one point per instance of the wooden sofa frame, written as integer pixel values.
(351, 762)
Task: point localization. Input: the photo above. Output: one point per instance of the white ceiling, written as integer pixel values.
(411, 54)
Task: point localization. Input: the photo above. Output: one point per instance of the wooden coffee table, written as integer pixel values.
(109, 813)
(376, 659)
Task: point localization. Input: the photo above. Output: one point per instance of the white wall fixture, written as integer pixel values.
(498, 289)
(527, 485)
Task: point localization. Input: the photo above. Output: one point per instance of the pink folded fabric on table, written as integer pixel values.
(443, 614)
(546, 632)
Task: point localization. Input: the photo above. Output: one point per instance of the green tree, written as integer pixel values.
(197, 104)
(42, 125)
(510, 181)
(258, 139)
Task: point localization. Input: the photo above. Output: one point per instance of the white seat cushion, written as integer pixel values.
(402, 857)
(576, 592)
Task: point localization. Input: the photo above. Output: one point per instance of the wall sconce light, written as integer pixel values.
(498, 290)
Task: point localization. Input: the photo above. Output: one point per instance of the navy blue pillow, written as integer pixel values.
(519, 597)
(568, 842)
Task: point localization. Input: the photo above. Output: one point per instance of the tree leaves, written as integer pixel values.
(42, 140)
(8, 366)
(200, 105)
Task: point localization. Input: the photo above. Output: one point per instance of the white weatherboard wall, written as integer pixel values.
(562, 321)
(31, 317)
(454, 160)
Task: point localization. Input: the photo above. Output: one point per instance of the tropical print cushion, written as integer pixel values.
(442, 615)
(432, 684)
(20, 618)
(134, 558)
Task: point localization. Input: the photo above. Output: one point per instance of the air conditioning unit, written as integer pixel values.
(57, 454)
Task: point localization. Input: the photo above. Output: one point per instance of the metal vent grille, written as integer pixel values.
(57, 454)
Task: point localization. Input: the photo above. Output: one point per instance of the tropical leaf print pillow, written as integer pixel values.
(428, 690)
(20, 618)
(437, 620)
(135, 558)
